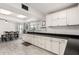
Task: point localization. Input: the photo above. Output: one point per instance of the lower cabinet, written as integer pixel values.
(55, 45)
(41, 41)
(25, 37)
(30, 38)
(48, 43)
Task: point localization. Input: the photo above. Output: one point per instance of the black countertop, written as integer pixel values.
(55, 35)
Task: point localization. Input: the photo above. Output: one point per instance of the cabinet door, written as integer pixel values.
(61, 18)
(48, 20)
(42, 42)
(30, 37)
(55, 48)
(48, 43)
(26, 38)
(54, 22)
(39, 41)
(62, 14)
(72, 16)
(35, 40)
(62, 22)
(54, 19)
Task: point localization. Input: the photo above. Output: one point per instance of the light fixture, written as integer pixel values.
(6, 12)
(21, 16)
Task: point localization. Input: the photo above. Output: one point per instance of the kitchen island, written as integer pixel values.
(56, 43)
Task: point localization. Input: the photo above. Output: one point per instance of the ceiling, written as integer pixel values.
(46, 8)
(37, 9)
(16, 11)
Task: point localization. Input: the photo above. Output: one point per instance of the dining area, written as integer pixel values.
(9, 36)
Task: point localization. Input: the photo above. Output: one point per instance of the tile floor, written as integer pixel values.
(17, 48)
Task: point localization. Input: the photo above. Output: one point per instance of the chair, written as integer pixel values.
(3, 38)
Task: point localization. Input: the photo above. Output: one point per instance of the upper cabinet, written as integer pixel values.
(56, 19)
(72, 16)
(61, 18)
(48, 20)
(65, 17)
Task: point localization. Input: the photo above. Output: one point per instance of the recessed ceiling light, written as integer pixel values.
(21, 16)
(6, 12)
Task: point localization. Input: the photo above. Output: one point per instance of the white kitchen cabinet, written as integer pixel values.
(48, 43)
(62, 22)
(38, 42)
(62, 14)
(57, 19)
(25, 37)
(55, 15)
(55, 46)
(54, 22)
(73, 16)
(60, 19)
(42, 42)
(48, 20)
(30, 38)
(35, 38)
(51, 19)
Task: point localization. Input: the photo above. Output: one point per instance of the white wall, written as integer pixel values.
(6, 26)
